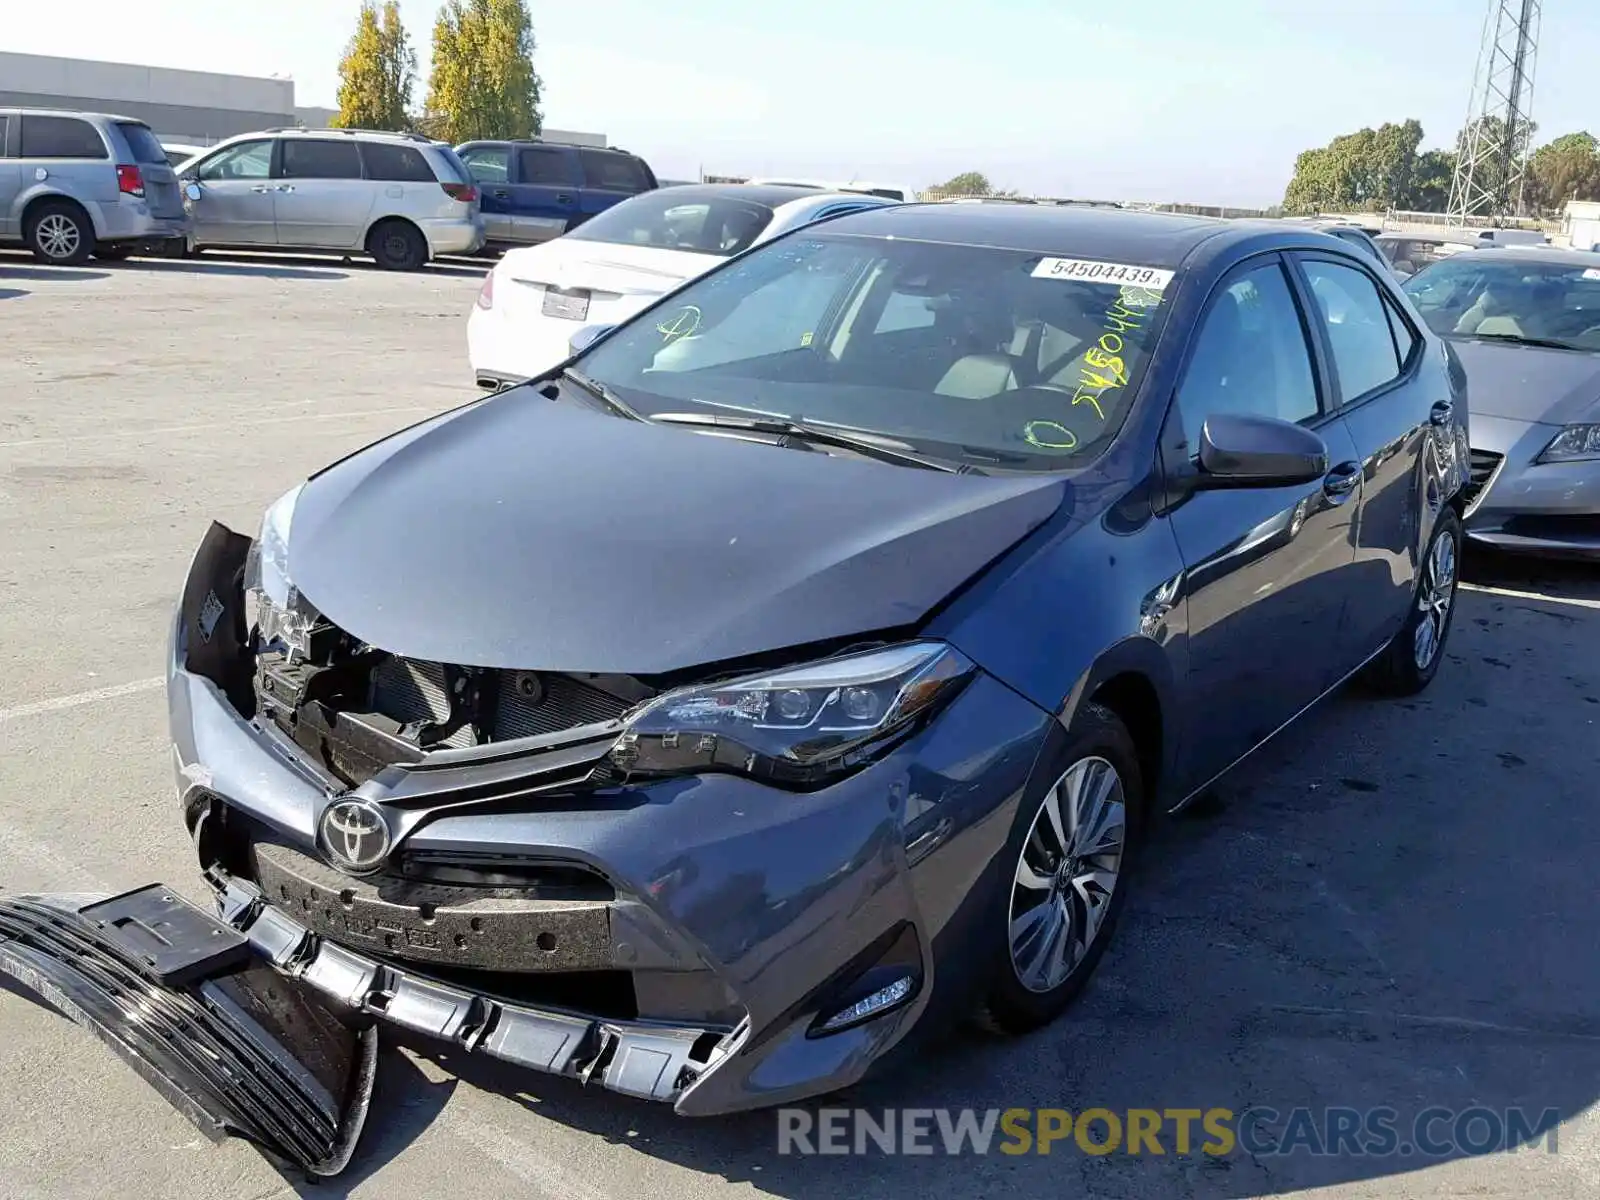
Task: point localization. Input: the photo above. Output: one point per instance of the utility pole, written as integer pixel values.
(1492, 159)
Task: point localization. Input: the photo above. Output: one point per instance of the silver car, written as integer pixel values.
(1525, 323)
(74, 184)
(399, 197)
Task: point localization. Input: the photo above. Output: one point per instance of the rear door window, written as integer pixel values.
(1353, 313)
(488, 164)
(313, 158)
(544, 165)
(60, 137)
(145, 145)
(613, 171)
(5, 128)
(399, 164)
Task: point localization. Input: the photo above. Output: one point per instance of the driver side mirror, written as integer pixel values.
(586, 337)
(1243, 451)
(191, 189)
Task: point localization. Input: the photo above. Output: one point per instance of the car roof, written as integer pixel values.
(772, 195)
(543, 142)
(33, 110)
(1532, 253)
(1113, 235)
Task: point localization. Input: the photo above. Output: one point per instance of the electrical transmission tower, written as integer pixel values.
(1492, 159)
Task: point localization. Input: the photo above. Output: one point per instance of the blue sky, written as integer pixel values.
(1206, 101)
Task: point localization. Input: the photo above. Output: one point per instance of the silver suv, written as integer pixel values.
(400, 197)
(74, 184)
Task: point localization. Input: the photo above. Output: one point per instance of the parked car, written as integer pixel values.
(74, 184)
(534, 191)
(1525, 321)
(1356, 235)
(610, 267)
(179, 153)
(801, 665)
(399, 197)
(1409, 253)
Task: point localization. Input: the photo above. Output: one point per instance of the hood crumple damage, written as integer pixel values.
(522, 533)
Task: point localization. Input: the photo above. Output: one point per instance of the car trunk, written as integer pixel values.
(572, 282)
(161, 189)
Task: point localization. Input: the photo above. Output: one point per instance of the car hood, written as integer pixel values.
(518, 532)
(1530, 383)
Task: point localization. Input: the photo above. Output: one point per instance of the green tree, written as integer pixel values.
(378, 71)
(1565, 169)
(483, 83)
(1366, 171)
(1429, 191)
(968, 183)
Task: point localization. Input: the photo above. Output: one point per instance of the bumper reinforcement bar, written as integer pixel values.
(652, 1062)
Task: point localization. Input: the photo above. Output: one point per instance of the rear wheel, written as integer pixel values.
(398, 246)
(1412, 660)
(1067, 861)
(59, 232)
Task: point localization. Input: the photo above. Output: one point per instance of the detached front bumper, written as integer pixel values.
(1523, 505)
(736, 915)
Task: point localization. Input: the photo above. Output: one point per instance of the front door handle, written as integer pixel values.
(563, 198)
(1340, 483)
(261, 187)
(1442, 412)
(501, 193)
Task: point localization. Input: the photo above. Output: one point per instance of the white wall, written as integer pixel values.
(129, 84)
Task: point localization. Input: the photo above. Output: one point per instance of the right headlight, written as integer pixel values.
(801, 726)
(272, 602)
(1575, 443)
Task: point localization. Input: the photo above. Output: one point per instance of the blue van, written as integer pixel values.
(534, 191)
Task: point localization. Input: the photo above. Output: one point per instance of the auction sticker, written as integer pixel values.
(1089, 271)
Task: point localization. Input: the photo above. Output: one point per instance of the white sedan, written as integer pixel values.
(622, 260)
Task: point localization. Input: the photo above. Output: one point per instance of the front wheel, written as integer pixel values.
(1410, 662)
(1067, 862)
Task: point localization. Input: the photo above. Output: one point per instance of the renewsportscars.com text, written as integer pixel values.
(1258, 1131)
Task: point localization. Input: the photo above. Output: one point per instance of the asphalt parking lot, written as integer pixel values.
(1394, 905)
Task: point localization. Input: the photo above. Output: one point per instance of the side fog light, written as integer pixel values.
(881, 1001)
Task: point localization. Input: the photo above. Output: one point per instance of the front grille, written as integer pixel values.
(1481, 472)
(519, 703)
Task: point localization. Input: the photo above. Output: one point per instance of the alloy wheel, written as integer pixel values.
(1434, 598)
(1067, 873)
(58, 236)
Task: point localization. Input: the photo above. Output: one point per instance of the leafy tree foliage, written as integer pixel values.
(378, 71)
(1565, 169)
(483, 83)
(968, 183)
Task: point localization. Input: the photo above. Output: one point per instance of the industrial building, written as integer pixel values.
(198, 107)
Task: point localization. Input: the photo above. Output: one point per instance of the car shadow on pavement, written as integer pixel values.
(11, 274)
(320, 270)
(11, 293)
(1385, 919)
(330, 262)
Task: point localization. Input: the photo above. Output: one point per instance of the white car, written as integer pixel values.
(622, 260)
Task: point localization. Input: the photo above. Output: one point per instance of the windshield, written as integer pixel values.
(714, 225)
(1554, 302)
(967, 353)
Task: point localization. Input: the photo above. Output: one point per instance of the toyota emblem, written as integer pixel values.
(355, 835)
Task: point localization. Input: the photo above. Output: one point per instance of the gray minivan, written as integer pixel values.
(74, 184)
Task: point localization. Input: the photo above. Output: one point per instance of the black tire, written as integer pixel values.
(397, 246)
(1011, 1005)
(113, 252)
(59, 232)
(1398, 671)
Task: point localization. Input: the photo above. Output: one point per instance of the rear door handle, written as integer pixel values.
(287, 187)
(1441, 412)
(501, 193)
(563, 198)
(1340, 483)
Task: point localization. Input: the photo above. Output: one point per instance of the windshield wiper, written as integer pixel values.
(799, 429)
(602, 393)
(1518, 339)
